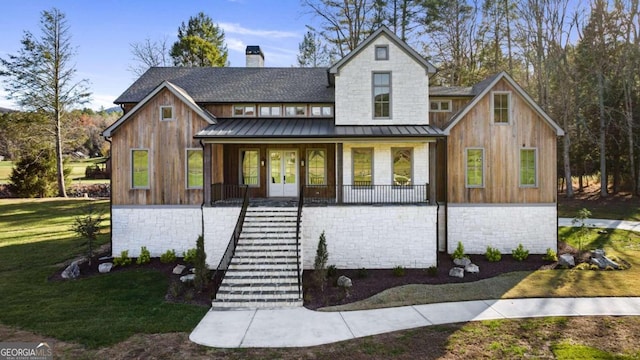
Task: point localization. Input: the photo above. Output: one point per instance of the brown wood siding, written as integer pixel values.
(440, 118)
(220, 110)
(167, 142)
(502, 144)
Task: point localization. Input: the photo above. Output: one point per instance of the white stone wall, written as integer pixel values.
(161, 228)
(409, 88)
(371, 236)
(502, 226)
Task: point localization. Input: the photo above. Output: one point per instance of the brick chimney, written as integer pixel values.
(255, 57)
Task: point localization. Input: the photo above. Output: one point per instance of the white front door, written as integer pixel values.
(283, 171)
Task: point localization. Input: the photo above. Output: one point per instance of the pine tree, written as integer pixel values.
(200, 43)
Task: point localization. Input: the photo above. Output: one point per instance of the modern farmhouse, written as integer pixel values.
(263, 160)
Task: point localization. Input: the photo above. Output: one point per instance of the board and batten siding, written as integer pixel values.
(167, 142)
(440, 118)
(502, 144)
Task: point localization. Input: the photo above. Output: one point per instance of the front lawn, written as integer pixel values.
(35, 239)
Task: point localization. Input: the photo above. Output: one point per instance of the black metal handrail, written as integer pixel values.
(231, 248)
(300, 204)
(228, 193)
(363, 193)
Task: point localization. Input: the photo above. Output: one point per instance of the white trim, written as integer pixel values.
(175, 90)
(132, 186)
(186, 169)
(173, 114)
(492, 108)
(270, 107)
(440, 102)
(244, 110)
(535, 157)
(466, 168)
(295, 107)
(321, 107)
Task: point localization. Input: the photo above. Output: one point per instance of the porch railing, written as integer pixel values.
(365, 193)
(228, 193)
(231, 248)
(298, 259)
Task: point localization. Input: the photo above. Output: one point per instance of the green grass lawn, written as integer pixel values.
(35, 239)
(77, 167)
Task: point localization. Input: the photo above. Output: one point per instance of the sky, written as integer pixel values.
(102, 31)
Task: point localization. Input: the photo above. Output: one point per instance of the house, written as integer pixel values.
(390, 169)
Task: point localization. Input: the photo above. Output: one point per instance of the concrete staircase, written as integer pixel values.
(263, 271)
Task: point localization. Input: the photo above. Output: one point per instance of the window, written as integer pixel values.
(382, 52)
(166, 113)
(528, 168)
(269, 110)
(195, 172)
(440, 106)
(295, 110)
(316, 167)
(250, 170)
(320, 110)
(501, 107)
(402, 166)
(140, 169)
(381, 95)
(362, 167)
(244, 110)
(475, 168)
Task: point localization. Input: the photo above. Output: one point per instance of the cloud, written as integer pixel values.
(234, 28)
(101, 100)
(235, 45)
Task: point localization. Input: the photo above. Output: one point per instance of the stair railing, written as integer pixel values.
(300, 203)
(231, 248)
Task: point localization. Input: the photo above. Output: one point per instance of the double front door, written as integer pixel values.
(283, 171)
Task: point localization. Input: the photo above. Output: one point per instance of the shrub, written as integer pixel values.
(189, 256)
(168, 257)
(459, 253)
(320, 262)
(432, 271)
(88, 226)
(362, 273)
(123, 259)
(493, 254)
(145, 256)
(520, 253)
(398, 271)
(35, 174)
(550, 255)
(332, 271)
(201, 279)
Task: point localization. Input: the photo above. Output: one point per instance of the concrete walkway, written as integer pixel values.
(299, 327)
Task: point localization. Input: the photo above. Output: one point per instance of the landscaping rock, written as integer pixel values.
(105, 258)
(462, 262)
(179, 269)
(457, 272)
(187, 278)
(597, 261)
(472, 268)
(566, 260)
(105, 267)
(72, 271)
(344, 282)
(599, 253)
(609, 262)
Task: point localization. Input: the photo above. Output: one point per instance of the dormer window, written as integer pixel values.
(440, 106)
(295, 110)
(166, 113)
(244, 110)
(320, 110)
(270, 110)
(382, 52)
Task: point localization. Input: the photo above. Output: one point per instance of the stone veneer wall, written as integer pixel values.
(502, 226)
(164, 227)
(371, 236)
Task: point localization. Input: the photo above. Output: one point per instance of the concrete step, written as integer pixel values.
(255, 246)
(252, 304)
(268, 254)
(264, 266)
(254, 278)
(260, 287)
(290, 295)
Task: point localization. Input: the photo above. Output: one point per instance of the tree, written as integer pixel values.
(200, 43)
(313, 52)
(88, 226)
(41, 77)
(200, 263)
(149, 53)
(34, 174)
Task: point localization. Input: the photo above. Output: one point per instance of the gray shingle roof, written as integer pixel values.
(230, 128)
(237, 84)
(451, 91)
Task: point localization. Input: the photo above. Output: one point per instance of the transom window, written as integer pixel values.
(501, 111)
(402, 166)
(195, 172)
(295, 110)
(269, 110)
(140, 169)
(166, 113)
(244, 110)
(382, 95)
(475, 168)
(362, 166)
(440, 105)
(316, 167)
(250, 169)
(528, 168)
(321, 111)
(382, 52)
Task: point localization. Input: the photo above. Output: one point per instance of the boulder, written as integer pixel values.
(344, 282)
(609, 262)
(472, 268)
(599, 253)
(105, 267)
(72, 271)
(187, 278)
(462, 262)
(566, 260)
(179, 269)
(597, 261)
(457, 272)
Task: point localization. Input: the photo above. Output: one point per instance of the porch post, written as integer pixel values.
(207, 174)
(339, 171)
(433, 171)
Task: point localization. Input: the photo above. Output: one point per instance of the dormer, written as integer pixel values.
(382, 82)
